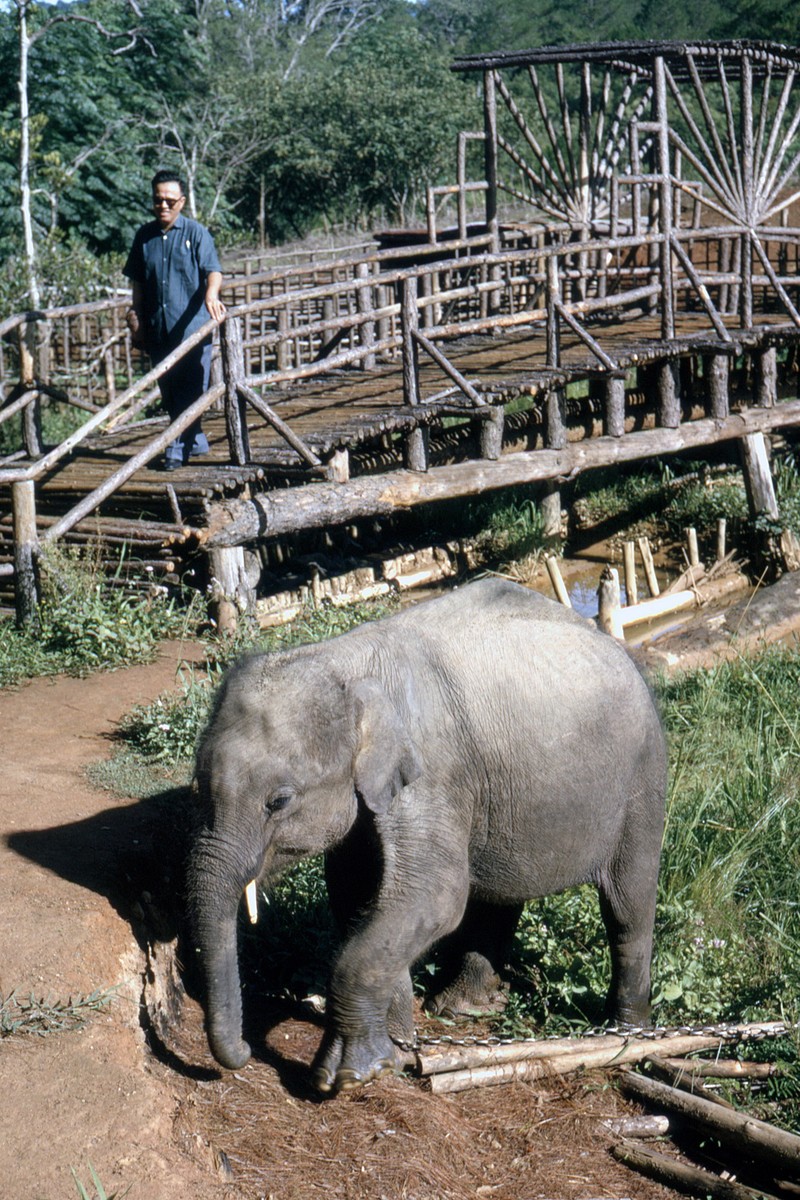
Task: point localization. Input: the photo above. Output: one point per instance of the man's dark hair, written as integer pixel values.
(167, 177)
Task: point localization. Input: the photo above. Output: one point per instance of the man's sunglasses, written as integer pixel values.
(170, 201)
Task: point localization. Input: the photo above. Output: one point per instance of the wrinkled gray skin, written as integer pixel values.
(454, 760)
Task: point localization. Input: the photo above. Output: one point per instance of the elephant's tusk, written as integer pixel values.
(252, 901)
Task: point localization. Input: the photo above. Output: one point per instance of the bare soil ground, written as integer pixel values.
(155, 1115)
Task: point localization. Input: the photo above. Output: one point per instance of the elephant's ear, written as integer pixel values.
(385, 758)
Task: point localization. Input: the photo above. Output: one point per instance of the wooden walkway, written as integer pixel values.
(365, 414)
(650, 304)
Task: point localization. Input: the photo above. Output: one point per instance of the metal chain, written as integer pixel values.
(730, 1031)
(727, 1031)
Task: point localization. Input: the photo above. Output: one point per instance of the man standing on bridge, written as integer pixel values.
(176, 278)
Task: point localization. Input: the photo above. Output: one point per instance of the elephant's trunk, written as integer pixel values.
(214, 901)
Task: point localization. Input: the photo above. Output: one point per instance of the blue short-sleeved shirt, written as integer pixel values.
(172, 267)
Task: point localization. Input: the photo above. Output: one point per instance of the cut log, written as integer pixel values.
(722, 1068)
(639, 1127)
(320, 504)
(777, 1150)
(687, 579)
(609, 616)
(545, 1058)
(679, 1175)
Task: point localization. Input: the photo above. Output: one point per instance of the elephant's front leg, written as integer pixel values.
(370, 979)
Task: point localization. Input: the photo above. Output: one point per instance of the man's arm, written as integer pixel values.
(135, 315)
(213, 303)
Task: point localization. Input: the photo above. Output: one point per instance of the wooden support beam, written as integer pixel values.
(230, 592)
(717, 371)
(409, 321)
(26, 553)
(366, 308)
(319, 504)
(492, 427)
(766, 363)
(234, 374)
(669, 394)
(758, 477)
(615, 405)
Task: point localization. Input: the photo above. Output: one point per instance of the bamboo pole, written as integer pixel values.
(722, 526)
(649, 566)
(629, 566)
(554, 571)
(611, 1051)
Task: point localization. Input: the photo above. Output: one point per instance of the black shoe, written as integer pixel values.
(171, 464)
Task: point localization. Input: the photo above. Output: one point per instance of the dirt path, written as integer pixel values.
(168, 1130)
(95, 1095)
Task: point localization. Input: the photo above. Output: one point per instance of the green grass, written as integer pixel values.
(661, 500)
(99, 1192)
(88, 622)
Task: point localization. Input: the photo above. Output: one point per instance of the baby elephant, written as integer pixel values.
(452, 761)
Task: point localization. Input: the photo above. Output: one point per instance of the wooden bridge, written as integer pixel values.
(647, 304)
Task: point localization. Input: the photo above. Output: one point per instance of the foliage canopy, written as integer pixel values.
(283, 118)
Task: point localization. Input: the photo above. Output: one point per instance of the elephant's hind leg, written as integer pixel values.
(630, 936)
(474, 957)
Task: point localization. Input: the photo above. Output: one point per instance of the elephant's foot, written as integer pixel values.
(476, 989)
(344, 1064)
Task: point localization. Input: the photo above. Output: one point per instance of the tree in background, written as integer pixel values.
(46, 172)
(283, 117)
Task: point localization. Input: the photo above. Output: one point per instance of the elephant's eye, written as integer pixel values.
(277, 801)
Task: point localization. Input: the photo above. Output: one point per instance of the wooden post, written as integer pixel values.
(766, 391)
(615, 405)
(554, 571)
(26, 553)
(669, 397)
(717, 371)
(758, 477)
(555, 439)
(609, 616)
(629, 565)
(490, 157)
(409, 324)
(234, 374)
(416, 444)
(283, 352)
(338, 466)
(664, 200)
(365, 306)
(649, 567)
(722, 526)
(492, 427)
(230, 591)
(691, 540)
(32, 416)
(553, 297)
